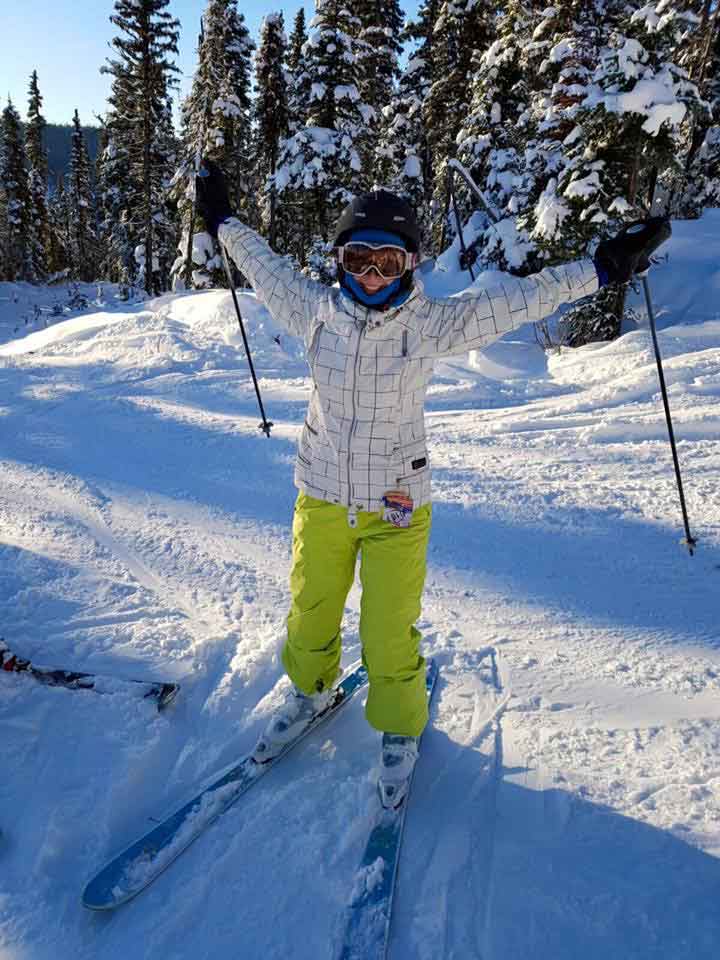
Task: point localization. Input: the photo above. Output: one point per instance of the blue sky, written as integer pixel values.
(66, 41)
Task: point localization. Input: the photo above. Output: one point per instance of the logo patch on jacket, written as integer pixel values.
(416, 464)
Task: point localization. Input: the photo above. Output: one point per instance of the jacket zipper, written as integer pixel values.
(352, 511)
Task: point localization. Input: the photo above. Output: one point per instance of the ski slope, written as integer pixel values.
(146, 533)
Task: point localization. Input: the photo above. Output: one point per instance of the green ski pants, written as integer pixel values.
(392, 575)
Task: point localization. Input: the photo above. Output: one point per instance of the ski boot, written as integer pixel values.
(399, 754)
(298, 711)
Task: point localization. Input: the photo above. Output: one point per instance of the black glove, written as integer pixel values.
(618, 259)
(211, 196)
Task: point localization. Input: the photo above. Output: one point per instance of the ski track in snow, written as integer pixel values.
(567, 802)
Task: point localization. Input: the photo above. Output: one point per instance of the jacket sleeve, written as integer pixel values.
(291, 298)
(458, 324)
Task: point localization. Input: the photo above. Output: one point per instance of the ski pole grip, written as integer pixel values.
(649, 234)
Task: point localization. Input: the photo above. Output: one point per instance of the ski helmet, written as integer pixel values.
(379, 210)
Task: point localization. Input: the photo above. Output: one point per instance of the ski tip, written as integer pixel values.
(91, 901)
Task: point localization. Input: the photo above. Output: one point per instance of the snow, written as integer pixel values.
(551, 212)
(146, 532)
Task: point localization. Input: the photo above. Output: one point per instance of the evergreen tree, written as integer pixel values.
(216, 123)
(80, 199)
(611, 138)
(379, 46)
(114, 188)
(497, 140)
(320, 167)
(138, 126)
(298, 78)
(15, 248)
(39, 224)
(271, 116)
(58, 262)
(697, 50)
(462, 27)
(405, 158)
(401, 150)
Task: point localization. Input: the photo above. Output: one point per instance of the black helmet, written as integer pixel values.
(379, 210)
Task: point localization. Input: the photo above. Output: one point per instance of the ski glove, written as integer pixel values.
(211, 196)
(617, 260)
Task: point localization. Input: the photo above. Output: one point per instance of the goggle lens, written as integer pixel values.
(389, 261)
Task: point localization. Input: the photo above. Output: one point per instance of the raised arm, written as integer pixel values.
(457, 324)
(291, 298)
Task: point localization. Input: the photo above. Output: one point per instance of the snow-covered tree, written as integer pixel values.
(58, 256)
(217, 124)
(298, 78)
(613, 133)
(401, 151)
(320, 168)
(39, 224)
(565, 168)
(379, 45)
(697, 184)
(461, 28)
(80, 201)
(143, 75)
(497, 141)
(405, 161)
(114, 186)
(271, 117)
(16, 261)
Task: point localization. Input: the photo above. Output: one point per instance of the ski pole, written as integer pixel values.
(458, 168)
(266, 424)
(689, 541)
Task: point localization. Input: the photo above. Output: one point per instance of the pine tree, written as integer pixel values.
(612, 139)
(114, 191)
(378, 51)
(298, 79)
(567, 170)
(39, 225)
(401, 148)
(15, 248)
(80, 201)
(462, 27)
(697, 50)
(138, 125)
(405, 158)
(271, 116)
(320, 167)
(495, 140)
(58, 248)
(216, 124)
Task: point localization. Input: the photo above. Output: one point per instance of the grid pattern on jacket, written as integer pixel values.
(365, 431)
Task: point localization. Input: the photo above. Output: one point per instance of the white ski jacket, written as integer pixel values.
(365, 432)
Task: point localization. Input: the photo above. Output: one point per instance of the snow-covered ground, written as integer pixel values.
(145, 532)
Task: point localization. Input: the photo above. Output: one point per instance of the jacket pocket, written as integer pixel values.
(419, 467)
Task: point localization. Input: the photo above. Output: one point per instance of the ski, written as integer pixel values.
(162, 693)
(366, 926)
(143, 861)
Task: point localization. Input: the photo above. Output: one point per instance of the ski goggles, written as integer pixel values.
(390, 261)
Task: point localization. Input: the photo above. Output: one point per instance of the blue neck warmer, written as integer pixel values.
(390, 296)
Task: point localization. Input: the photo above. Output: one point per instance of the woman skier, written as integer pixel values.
(362, 467)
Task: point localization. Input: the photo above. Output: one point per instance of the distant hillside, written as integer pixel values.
(58, 140)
